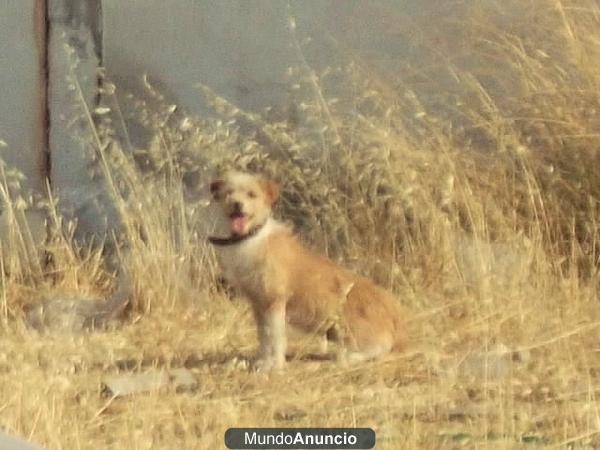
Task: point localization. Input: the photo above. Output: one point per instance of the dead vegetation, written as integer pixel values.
(476, 200)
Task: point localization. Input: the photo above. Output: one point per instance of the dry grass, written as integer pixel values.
(477, 205)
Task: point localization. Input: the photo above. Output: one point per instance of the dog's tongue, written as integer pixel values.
(238, 224)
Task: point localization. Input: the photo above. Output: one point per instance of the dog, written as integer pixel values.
(288, 283)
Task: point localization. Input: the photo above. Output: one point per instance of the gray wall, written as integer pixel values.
(242, 48)
(74, 52)
(239, 48)
(23, 118)
(21, 79)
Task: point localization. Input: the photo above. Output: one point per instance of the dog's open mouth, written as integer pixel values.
(238, 222)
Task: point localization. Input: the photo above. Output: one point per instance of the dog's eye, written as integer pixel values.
(251, 194)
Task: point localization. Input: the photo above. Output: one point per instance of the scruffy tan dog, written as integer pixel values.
(286, 282)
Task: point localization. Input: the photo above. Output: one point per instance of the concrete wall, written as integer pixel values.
(242, 49)
(23, 122)
(239, 48)
(74, 55)
(49, 57)
(22, 109)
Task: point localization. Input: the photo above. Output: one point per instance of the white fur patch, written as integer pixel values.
(239, 260)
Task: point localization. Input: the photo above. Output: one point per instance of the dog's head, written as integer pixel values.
(245, 200)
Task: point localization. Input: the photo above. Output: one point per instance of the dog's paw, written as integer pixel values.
(266, 365)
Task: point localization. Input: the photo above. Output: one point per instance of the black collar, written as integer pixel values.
(235, 239)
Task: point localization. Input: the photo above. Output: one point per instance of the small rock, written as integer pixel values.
(521, 356)
(149, 381)
(493, 365)
(289, 413)
(73, 314)
(183, 380)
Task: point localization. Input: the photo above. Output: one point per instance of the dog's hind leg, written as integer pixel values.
(353, 351)
(349, 357)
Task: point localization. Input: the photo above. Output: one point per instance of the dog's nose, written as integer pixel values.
(237, 206)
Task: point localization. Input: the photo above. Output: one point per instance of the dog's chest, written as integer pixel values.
(242, 264)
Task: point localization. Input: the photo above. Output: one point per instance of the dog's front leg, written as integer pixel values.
(271, 337)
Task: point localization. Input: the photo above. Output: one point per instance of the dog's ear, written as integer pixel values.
(215, 187)
(271, 189)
